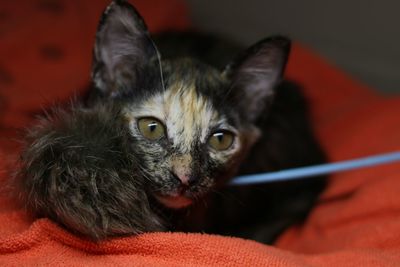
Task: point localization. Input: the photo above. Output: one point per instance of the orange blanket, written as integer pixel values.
(45, 50)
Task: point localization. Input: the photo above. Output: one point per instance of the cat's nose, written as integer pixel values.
(181, 168)
(184, 179)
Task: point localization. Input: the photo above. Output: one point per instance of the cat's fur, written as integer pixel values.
(91, 169)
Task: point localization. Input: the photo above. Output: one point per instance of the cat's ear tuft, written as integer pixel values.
(256, 72)
(123, 49)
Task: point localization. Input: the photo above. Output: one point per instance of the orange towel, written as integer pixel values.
(45, 55)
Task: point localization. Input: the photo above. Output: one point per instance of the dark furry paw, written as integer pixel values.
(78, 170)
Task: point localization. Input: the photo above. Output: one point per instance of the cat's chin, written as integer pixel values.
(174, 202)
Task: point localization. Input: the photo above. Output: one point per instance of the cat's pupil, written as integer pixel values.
(219, 136)
(152, 126)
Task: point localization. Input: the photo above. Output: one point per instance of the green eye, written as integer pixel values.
(221, 140)
(151, 128)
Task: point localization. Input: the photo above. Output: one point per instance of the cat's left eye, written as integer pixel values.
(221, 140)
(151, 128)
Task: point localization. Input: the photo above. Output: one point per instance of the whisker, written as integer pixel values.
(229, 196)
(159, 63)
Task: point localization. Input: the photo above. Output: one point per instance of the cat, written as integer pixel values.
(157, 141)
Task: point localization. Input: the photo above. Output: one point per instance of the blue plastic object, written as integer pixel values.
(315, 170)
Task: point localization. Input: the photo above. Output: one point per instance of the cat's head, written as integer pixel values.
(191, 124)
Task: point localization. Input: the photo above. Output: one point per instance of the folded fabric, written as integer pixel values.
(45, 50)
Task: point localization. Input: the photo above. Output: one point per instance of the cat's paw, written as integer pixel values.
(77, 170)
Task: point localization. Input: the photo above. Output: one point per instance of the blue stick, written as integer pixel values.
(310, 171)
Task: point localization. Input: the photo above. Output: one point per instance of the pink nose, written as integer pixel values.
(184, 179)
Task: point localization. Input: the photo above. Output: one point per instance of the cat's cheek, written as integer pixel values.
(224, 158)
(251, 136)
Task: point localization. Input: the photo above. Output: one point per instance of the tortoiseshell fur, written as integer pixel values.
(89, 168)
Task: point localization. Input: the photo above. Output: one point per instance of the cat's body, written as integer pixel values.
(159, 140)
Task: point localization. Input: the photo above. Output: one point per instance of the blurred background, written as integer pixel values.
(46, 47)
(360, 37)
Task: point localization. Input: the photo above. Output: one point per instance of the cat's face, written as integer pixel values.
(187, 140)
(190, 124)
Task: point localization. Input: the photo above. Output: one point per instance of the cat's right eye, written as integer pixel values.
(151, 128)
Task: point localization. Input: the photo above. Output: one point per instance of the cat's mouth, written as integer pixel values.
(174, 201)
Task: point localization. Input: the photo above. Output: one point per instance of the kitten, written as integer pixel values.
(159, 138)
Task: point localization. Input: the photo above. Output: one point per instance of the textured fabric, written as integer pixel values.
(45, 51)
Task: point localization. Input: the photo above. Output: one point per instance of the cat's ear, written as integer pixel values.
(256, 72)
(123, 49)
